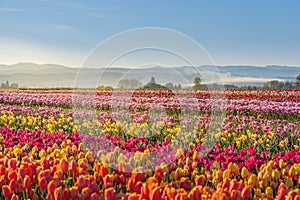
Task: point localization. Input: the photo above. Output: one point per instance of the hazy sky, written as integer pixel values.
(233, 32)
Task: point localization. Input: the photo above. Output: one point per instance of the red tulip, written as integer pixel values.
(43, 183)
(6, 191)
(246, 192)
(14, 197)
(195, 194)
(95, 196)
(27, 183)
(109, 194)
(58, 193)
(13, 185)
(74, 193)
(12, 163)
(235, 195)
(108, 181)
(103, 171)
(155, 194)
(81, 182)
(64, 165)
(51, 187)
(12, 175)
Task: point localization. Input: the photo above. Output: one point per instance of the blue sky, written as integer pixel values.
(233, 32)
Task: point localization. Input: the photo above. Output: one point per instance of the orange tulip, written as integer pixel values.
(152, 183)
(269, 191)
(281, 164)
(86, 193)
(219, 196)
(59, 174)
(200, 180)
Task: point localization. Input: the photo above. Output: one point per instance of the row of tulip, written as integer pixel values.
(139, 131)
(70, 171)
(287, 102)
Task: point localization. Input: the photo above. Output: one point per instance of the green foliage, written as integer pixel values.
(197, 83)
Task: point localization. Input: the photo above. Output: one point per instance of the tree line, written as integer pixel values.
(197, 85)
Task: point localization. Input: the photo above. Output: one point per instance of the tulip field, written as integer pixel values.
(52, 149)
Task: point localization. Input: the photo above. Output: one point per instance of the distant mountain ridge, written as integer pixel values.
(53, 75)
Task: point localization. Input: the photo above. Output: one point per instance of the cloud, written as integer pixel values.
(11, 9)
(60, 26)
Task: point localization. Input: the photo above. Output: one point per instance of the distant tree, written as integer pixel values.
(179, 87)
(288, 85)
(14, 85)
(277, 85)
(170, 86)
(152, 80)
(272, 85)
(129, 84)
(297, 84)
(197, 83)
(152, 85)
